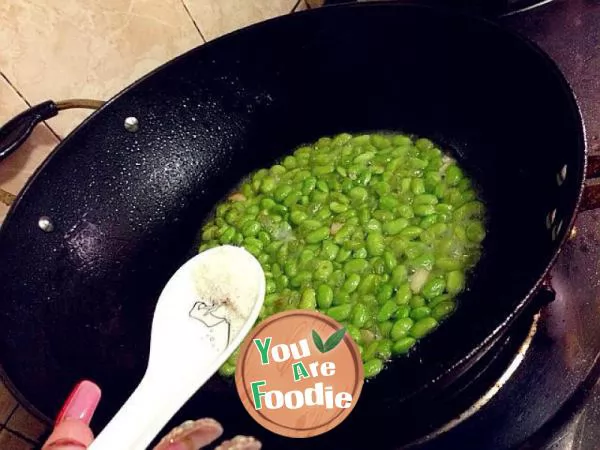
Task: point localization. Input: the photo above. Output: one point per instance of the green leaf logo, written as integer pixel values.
(330, 343)
(318, 341)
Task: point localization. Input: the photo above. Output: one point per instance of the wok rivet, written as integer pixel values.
(562, 175)
(132, 124)
(46, 224)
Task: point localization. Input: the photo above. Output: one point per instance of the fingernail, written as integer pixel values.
(81, 404)
(191, 435)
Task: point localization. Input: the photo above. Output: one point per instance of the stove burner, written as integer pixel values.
(485, 398)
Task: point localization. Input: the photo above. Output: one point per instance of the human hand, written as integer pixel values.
(72, 431)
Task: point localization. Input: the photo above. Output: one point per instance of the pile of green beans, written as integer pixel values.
(377, 231)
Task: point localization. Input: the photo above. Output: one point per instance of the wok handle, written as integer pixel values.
(16, 131)
(591, 190)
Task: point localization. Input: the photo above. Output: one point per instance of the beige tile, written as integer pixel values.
(88, 49)
(26, 424)
(17, 168)
(9, 441)
(218, 17)
(7, 403)
(301, 6)
(314, 3)
(3, 211)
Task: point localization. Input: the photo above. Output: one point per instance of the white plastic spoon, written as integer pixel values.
(204, 312)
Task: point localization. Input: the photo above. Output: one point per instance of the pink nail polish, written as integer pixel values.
(81, 404)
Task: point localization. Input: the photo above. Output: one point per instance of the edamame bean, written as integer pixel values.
(351, 283)
(339, 313)
(401, 328)
(387, 311)
(384, 349)
(420, 313)
(318, 235)
(455, 282)
(324, 296)
(375, 244)
(372, 367)
(403, 294)
(442, 310)
(433, 287)
(423, 327)
(308, 299)
(360, 315)
(394, 227)
(355, 266)
(403, 345)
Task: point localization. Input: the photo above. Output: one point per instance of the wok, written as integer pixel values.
(126, 204)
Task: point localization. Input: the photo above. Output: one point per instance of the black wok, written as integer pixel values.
(126, 206)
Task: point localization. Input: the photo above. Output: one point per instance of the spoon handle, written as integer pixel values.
(143, 415)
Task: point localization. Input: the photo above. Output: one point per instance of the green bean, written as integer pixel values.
(411, 232)
(424, 210)
(453, 175)
(367, 284)
(359, 194)
(455, 282)
(355, 266)
(394, 227)
(447, 263)
(351, 283)
(420, 313)
(475, 232)
(343, 255)
(423, 144)
(382, 215)
(324, 296)
(308, 299)
(433, 287)
(423, 327)
(339, 313)
(384, 349)
(329, 250)
(399, 275)
(353, 332)
(372, 367)
(406, 211)
(425, 261)
(442, 310)
(297, 217)
(386, 311)
(403, 294)
(323, 270)
(385, 328)
(227, 370)
(375, 244)
(403, 345)
(337, 278)
(384, 293)
(300, 279)
(360, 315)
(317, 235)
(401, 328)
(389, 260)
(416, 301)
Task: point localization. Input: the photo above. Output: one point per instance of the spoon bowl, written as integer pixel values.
(204, 312)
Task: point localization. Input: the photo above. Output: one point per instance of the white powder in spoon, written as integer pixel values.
(227, 284)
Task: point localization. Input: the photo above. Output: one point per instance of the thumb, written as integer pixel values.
(72, 431)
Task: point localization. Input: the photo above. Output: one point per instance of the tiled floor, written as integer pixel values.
(92, 49)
